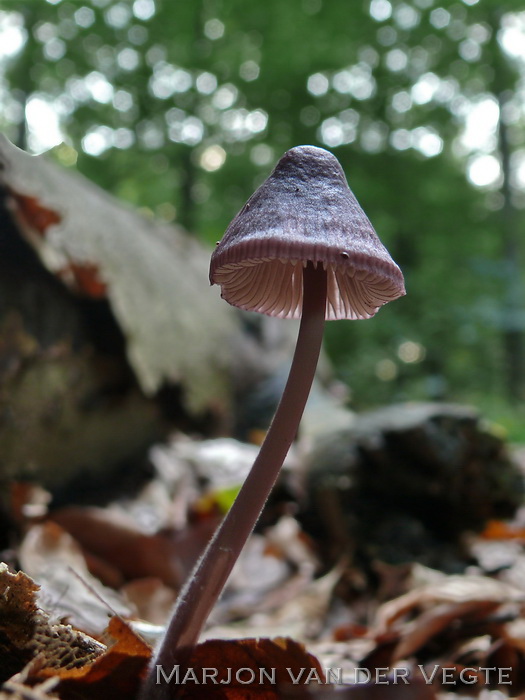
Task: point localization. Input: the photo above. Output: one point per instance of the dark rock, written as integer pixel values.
(406, 482)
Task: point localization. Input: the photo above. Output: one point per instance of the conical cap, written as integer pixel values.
(304, 212)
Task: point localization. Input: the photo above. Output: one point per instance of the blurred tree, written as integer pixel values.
(183, 107)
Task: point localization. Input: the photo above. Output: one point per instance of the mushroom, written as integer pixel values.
(300, 247)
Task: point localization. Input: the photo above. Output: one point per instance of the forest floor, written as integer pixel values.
(95, 585)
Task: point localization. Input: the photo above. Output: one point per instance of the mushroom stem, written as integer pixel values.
(206, 582)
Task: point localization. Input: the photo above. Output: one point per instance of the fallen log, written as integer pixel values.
(110, 335)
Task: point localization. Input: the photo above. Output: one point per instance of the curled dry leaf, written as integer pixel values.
(115, 674)
(243, 669)
(58, 657)
(450, 589)
(110, 538)
(296, 608)
(53, 558)
(437, 619)
(151, 598)
(28, 634)
(456, 626)
(114, 538)
(27, 501)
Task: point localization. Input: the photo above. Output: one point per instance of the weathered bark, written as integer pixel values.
(154, 277)
(109, 332)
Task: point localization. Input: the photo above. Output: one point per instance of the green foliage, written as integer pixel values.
(182, 108)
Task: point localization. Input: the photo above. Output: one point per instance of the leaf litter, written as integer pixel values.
(99, 582)
(107, 581)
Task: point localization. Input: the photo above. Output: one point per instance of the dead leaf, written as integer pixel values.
(449, 589)
(151, 598)
(434, 621)
(501, 530)
(28, 634)
(27, 501)
(115, 674)
(53, 558)
(113, 538)
(244, 669)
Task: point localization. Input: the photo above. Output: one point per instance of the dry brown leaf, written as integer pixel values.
(27, 502)
(53, 558)
(59, 657)
(115, 674)
(451, 589)
(244, 669)
(113, 538)
(445, 621)
(28, 635)
(151, 598)
(501, 530)
(431, 622)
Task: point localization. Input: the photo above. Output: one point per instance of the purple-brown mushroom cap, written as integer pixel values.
(304, 212)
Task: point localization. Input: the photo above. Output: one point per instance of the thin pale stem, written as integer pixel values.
(206, 582)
